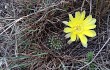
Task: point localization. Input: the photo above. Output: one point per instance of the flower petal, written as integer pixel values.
(82, 15)
(83, 39)
(77, 15)
(68, 35)
(71, 17)
(87, 20)
(67, 30)
(90, 33)
(73, 36)
(65, 22)
(87, 27)
(70, 23)
(93, 21)
(69, 42)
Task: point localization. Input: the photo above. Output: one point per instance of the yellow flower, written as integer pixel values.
(79, 27)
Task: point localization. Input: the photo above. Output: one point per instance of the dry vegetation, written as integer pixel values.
(32, 37)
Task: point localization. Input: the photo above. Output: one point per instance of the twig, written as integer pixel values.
(108, 31)
(17, 20)
(90, 6)
(82, 4)
(16, 46)
(11, 25)
(95, 55)
(5, 61)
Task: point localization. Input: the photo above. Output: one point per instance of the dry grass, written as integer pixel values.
(27, 26)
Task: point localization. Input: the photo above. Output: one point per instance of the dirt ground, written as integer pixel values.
(32, 37)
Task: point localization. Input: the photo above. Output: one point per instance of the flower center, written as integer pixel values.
(77, 28)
